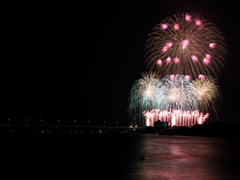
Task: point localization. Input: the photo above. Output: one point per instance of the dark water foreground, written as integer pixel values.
(124, 156)
(163, 157)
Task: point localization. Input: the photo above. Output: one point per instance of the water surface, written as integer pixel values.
(150, 156)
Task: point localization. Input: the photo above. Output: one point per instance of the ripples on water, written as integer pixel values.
(118, 156)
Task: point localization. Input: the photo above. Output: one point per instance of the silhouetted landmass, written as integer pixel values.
(218, 129)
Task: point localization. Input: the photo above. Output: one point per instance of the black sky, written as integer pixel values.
(67, 61)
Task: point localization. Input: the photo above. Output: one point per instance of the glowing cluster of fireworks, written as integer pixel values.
(186, 44)
(184, 52)
(174, 92)
(175, 117)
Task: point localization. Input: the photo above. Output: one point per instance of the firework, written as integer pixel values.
(186, 44)
(175, 117)
(207, 92)
(184, 51)
(178, 93)
(144, 95)
(171, 94)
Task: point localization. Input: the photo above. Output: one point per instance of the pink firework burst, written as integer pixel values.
(194, 58)
(212, 45)
(169, 44)
(168, 60)
(201, 77)
(208, 56)
(176, 60)
(171, 77)
(198, 22)
(188, 17)
(164, 26)
(190, 38)
(159, 62)
(185, 43)
(187, 77)
(176, 26)
(206, 61)
(164, 49)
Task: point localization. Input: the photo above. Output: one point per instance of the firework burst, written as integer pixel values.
(171, 93)
(183, 53)
(143, 95)
(186, 44)
(207, 92)
(178, 93)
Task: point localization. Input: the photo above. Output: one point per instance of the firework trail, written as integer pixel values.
(186, 44)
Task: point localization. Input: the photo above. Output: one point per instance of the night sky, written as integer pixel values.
(78, 61)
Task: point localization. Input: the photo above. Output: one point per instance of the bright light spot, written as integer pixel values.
(176, 60)
(206, 61)
(171, 77)
(148, 122)
(212, 45)
(200, 119)
(159, 62)
(187, 77)
(188, 17)
(169, 44)
(198, 22)
(164, 49)
(194, 58)
(208, 56)
(176, 26)
(174, 94)
(200, 76)
(173, 120)
(168, 60)
(172, 97)
(201, 93)
(185, 43)
(164, 26)
(148, 92)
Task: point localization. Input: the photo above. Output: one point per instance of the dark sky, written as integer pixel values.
(78, 61)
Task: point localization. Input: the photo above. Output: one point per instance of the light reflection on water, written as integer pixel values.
(182, 157)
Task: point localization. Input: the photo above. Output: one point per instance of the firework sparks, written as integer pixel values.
(200, 76)
(164, 26)
(174, 92)
(187, 77)
(175, 117)
(181, 44)
(188, 17)
(212, 45)
(143, 95)
(176, 26)
(159, 62)
(190, 38)
(178, 93)
(207, 92)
